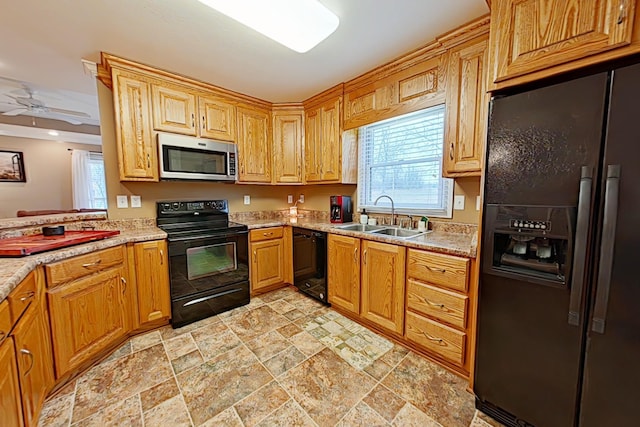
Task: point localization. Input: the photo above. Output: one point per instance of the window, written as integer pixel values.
(89, 187)
(402, 158)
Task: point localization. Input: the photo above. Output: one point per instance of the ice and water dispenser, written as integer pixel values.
(531, 243)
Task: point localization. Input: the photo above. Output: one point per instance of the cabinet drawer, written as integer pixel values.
(440, 304)
(266, 234)
(21, 297)
(5, 320)
(74, 268)
(438, 269)
(440, 339)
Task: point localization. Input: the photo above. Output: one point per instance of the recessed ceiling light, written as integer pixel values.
(53, 133)
(298, 24)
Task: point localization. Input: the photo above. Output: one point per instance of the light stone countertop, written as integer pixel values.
(451, 240)
(14, 270)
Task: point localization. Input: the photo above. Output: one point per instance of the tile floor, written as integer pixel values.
(283, 360)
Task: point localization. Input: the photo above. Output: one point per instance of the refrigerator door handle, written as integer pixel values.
(606, 248)
(582, 231)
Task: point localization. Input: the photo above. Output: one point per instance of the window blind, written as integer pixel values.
(402, 158)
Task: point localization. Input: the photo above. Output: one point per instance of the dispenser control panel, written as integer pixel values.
(530, 225)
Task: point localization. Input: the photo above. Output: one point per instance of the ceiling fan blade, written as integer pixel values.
(15, 112)
(67, 112)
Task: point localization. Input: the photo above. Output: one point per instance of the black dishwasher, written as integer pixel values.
(310, 263)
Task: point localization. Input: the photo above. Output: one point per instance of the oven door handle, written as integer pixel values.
(208, 297)
(207, 236)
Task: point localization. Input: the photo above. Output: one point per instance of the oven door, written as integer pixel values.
(209, 275)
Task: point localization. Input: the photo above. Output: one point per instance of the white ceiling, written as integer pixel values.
(43, 42)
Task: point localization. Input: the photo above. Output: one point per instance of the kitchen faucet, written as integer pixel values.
(393, 209)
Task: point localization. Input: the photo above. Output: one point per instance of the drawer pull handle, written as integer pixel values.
(442, 306)
(92, 264)
(267, 234)
(451, 151)
(364, 256)
(439, 270)
(161, 257)
(440, 341)
(255, 257)
(204, 123)
(193, 120)
(28, 353)
(148, 160)
(621, 14)
(124, 282)
(355, 255)
(27, 296)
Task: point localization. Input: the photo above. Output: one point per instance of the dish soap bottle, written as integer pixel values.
(364, 218)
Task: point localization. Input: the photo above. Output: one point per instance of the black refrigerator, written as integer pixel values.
(558, 339)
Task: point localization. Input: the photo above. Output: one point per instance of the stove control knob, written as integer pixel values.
(537, 226)
(543, 226)
(176, 206)
(166, 206)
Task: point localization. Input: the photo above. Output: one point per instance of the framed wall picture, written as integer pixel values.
(12, 166)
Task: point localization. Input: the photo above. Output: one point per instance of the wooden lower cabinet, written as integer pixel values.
(343, 272)
(383, 278)
(10, 398)
(152, 281)
(271, 258)
(35, 367)
(437, 338)
(90, 313)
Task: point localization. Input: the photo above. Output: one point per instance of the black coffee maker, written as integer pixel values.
(340, 209)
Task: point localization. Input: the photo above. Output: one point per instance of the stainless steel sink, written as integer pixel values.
(398, 232)
(363, 228)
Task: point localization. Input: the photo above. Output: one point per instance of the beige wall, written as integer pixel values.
(263, 197)
(48, 170)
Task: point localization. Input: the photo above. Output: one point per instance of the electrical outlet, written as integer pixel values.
(290, 198)
(301, 198)
(136, 202)
(122, 201)
(458, 202)
(477, 203)
(247, 199)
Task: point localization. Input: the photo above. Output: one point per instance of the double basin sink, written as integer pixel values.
(402, 233)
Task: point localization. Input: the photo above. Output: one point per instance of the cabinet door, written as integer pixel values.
(217, 119)
(174, 109)
(254, 145)
(331, 148)
(137, 156)
(313, 146)
(10, 400)
(343, 265)
(35, 367)
(530, 35)
(287, 147)
(152, 281)
(87, 315)
(383, 284)
(267, 266)
(466, 109)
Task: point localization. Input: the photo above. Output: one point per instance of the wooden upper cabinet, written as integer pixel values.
(343, 272)
(287, 146)
(466, 111)
(254, 145)
(313, 145)
(217, 118)
(137, 156)
(152, 281)
(383, 277)
(531, 35)
(331, 147)
(174, 109)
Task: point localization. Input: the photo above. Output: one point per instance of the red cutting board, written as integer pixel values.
(27, 245)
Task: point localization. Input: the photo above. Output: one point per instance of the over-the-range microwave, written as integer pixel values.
(188, 157)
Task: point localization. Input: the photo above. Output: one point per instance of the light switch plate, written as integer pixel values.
(301, 198)
(458, 202)
(136, 202)
(247, 199)
(290, 198)
(122, 201)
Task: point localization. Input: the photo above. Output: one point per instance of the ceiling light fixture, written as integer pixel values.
(297, 24)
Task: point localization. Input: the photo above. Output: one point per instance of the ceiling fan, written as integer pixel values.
(29, 104)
